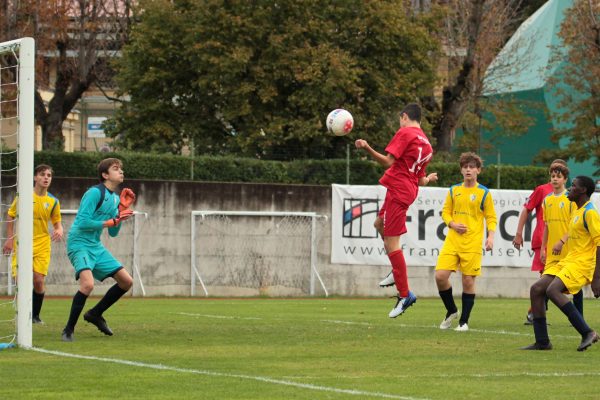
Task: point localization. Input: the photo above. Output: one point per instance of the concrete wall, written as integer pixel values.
(164, 241)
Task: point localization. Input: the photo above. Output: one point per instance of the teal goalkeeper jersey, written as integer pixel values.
(88, 225)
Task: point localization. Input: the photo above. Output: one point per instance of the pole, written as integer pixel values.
(347, 164)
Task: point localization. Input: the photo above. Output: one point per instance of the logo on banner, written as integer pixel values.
(358, 218)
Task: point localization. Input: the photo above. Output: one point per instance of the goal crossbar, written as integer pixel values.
(314, 273)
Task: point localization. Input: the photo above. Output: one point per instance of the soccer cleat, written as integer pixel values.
(36, 320)
(462, 327)
(538, 346)
(402, 304)
(447, 322)
(67, 335)
(99, 321)
(388, 280)
(588, 340)
(528, 319)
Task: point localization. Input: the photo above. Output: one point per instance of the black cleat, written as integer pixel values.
(67, 335)
(588, 340)
(538, 346)
(36, 320)
(99, 321)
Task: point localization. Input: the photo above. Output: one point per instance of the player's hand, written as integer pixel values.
(432, 177)
(596, 287)
(543, 256)
(557, 248)
(458, 227)
(57, 234)
(127, 198)
(518, 241)
(8, 246)
(489, 243)
(123, 216)
(361, 143)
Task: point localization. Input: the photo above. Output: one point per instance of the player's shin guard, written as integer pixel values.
(37, 300)
(76, 308)
(399, 271)
(576, 319)
(448, 300)
(540, 330)
(112, 295)
(468, 301)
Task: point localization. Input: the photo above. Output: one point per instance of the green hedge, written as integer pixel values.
(231, 169)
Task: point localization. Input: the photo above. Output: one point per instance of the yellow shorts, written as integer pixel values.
(41, 262)
(552, 268)
(466, 263)
(572, 278)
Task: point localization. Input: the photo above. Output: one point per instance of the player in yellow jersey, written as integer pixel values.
(465, 207)
(46, 208)
(577, 269)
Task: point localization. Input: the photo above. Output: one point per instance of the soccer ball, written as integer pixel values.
(339, 122)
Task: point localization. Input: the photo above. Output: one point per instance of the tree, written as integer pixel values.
(476, 30)
(258, 78)
(578, 86)
(74, 40)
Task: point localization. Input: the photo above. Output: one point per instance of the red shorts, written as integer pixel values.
(537, 264)
(393, 214)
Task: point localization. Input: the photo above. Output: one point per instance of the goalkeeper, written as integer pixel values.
(100, 208)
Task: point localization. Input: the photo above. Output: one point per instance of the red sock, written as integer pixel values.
(399, 271)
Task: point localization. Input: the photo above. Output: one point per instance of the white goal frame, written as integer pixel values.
(25, 47)
(314, 273)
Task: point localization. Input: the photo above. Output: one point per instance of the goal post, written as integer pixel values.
(17, 86)
(256, 252)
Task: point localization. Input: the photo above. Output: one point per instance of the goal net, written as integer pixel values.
(242, 253)
(17, 74)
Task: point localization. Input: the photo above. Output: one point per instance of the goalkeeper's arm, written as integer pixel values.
(114, 224)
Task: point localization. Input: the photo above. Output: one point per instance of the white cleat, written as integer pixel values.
(388, 280)
(447, 322)
(462, 328)
(402, 304)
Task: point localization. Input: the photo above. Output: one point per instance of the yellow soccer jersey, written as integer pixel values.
(558, 210)
(468, 206)
(45, 209)
(584, 238)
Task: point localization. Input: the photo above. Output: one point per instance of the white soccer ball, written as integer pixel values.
(339, 122)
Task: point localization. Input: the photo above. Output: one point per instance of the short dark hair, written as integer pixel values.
(41, 168)
(104, 166)
(413, 111)
(559, 167)
(587, 183)
(466, 158)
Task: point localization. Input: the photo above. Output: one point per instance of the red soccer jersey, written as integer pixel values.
(412, 151)
(535, 201)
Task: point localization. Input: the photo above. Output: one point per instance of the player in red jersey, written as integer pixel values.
(534, 202)
(406, 158)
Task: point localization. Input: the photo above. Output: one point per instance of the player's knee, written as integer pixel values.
(537, 290)
(378, 224)
(125, 282)
(86, 287)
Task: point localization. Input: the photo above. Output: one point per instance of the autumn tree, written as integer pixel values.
(75, 39)
(259, 78)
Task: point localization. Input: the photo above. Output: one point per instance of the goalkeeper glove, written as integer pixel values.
(123, 215)
(127, 198)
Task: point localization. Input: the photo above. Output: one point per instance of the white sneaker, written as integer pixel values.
(462, 328)
(388, 280)
(447, 322)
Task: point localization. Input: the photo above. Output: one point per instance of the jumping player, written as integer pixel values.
(406, 158)
(100, 208)
(46, 208)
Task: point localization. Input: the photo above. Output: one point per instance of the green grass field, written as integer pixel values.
(300, 349)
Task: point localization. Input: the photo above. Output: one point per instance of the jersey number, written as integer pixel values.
(418, 164)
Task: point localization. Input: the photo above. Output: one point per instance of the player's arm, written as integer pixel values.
(447, 215)
(544, 243)
(57, 233)
(518, 240)
(87, 209)
(10, 236)
(489, 213)
(426, 180)
(114, 224)
(385, 161)
(593, 223)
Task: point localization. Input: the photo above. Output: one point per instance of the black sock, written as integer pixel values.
(540, 329)
(468, 301)
(76, 308)
(37, 300)
(448, 300)
(578, 301)
(112, 295)
(576, 319)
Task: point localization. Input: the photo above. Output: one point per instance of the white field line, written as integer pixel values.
(215, 316)
(226, 375)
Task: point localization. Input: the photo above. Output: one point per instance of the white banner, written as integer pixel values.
(354, 240)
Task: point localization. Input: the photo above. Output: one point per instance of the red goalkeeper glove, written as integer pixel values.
(126, 199)
(123, 215)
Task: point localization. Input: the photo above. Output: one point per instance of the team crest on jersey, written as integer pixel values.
(473, 197)
(562, 205)
(576, 219)
(46, 205)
